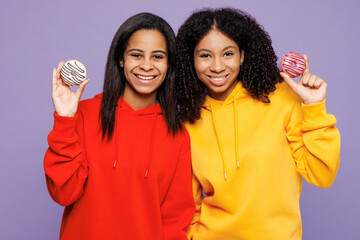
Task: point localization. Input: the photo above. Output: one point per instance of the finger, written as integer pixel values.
(307, 68)
(305, 79)
(312, 80)
(60, 65)
(58, 69)
(318, 83)
(54, 79)
(289, 81)
(81, 88)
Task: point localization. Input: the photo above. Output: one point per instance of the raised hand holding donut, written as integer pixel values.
(311, 89)
(65, 101)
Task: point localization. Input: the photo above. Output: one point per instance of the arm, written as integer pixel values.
(314, 142)
(66, 168)
(198, 197)
(313, 137)
(178, 207)
(65, 164)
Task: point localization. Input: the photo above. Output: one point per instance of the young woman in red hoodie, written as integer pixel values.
(120, 162)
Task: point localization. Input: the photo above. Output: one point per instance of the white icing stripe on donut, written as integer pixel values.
(73, 72)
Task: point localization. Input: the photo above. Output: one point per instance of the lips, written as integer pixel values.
(145, 77)
(218, 80)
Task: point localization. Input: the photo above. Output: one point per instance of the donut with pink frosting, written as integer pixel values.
(73, 72)
(293, 64)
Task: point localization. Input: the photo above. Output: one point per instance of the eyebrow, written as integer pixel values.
(208, 50)
(139, 50)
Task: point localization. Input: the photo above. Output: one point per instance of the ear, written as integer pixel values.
(242, 56)
(121, 63)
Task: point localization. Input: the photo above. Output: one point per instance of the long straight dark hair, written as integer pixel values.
(114, 82)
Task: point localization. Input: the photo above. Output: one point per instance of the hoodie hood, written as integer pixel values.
(123, 107)
(213, 105)
(237, 94)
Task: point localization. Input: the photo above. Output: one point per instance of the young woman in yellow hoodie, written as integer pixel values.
(253, 135)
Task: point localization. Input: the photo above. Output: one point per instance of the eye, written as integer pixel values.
(158, 57)
(135, 55)
(205, 55)
(228, 54)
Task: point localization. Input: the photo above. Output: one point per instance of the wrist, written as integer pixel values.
(64, 127)
(65, 114)
(312, 102)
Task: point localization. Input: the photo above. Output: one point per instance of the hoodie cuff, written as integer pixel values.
(64, 127)
(315, 116)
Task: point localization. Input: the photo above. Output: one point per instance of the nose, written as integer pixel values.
(217, 65)
(146, 64)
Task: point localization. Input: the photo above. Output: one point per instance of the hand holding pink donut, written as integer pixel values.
(65, 101)
(311, 89)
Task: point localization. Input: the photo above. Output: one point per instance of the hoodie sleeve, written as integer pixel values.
(66, 168)
(314, 142)
(198, 197)
(178, 207)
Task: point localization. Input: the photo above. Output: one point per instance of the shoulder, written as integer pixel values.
(183, 138)
(185, 146)
(91, 105)
(91, 102)
(284, 95)
(185, 134)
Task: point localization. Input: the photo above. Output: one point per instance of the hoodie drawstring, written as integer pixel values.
(151, 140)
(237, 158)
(151, 143)
(117, 119)
(218, 140)
(236, 134)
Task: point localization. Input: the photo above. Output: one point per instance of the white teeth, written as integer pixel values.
(145, 78)
(217, 79)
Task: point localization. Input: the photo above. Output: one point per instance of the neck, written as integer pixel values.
(222, 96)
(137, 100)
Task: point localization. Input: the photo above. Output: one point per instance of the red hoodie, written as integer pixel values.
(135, 186)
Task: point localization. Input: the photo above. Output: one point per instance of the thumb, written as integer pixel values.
(81, 88)
(289, 81)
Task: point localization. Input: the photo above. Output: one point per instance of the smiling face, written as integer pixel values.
(145, 66)
(217, 61)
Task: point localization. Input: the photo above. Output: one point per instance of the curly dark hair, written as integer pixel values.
(258, 74)
(114, 82)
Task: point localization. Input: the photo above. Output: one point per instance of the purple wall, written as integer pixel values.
(36, 35)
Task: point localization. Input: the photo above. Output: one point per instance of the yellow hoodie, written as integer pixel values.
(249, 157)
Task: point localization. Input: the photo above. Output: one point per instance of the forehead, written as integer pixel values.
(215, 39)
(147, 39)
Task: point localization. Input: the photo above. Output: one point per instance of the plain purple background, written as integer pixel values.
(36, 35)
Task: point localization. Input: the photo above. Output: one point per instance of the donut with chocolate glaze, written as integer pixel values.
(293, 64)
(73, 72)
